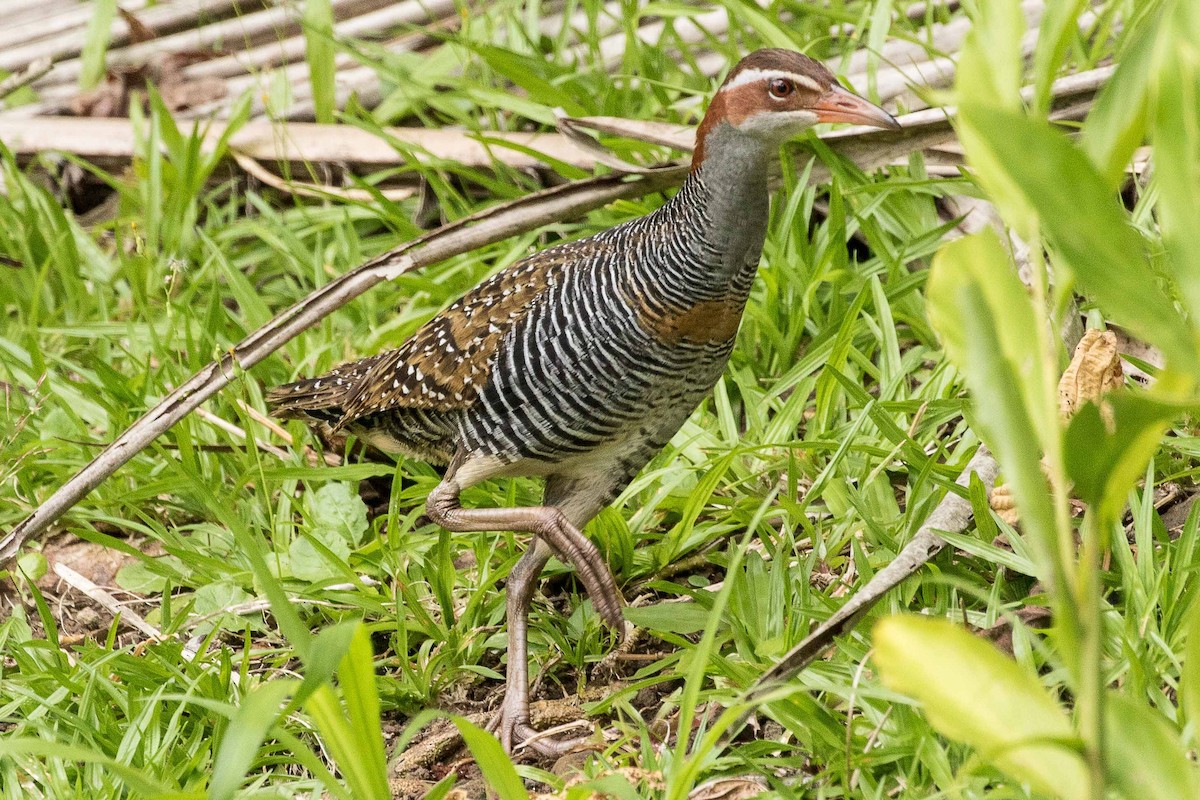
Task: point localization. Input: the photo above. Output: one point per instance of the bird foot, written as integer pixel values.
(515, 732)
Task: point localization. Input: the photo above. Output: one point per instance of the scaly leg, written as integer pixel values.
(556, 528)
(512, 723)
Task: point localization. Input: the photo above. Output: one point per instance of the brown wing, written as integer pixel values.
(447, 362)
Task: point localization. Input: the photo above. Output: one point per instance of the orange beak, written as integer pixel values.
(839, 105)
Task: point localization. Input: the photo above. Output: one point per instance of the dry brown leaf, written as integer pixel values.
(138, 31)
(1001, 634)
(1095, 369)
(1005, 505)
(165, 71)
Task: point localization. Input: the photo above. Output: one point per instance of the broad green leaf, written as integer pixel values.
(989, 329)
(340, 740)
(1059, 26)
(33, 566)
(973, 694)
(329, 647)
(309, 562)
(338, 519)
(989, 67)
(1176, 135)
(1189, 679)
(137, 577)
(1106, 457)
(1143, 757)
(981, 262)
(497, 767)
(337, 512)
(319, 51)
(211, 599)
(1028, 165)
(990, 64)
(1116, 123)
(95, 44)
(681, 618)
(259, 711)
(356, 678)
(350, 727)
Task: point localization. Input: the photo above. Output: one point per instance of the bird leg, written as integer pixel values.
(512, 722)
(554, 534)
(549, 524)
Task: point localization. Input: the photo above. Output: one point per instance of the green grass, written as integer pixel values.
(836, 429)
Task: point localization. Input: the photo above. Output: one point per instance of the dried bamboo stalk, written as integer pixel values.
(291, 50)
(27, 76)
(70, 44)
(237, 32)
(44, 23)
(109, 140)
(242, 75)
(114, 141)
(913, 62)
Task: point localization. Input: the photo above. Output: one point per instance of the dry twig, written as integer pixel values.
(25, 77)
(111, 604)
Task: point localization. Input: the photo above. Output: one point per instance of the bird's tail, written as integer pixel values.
(323, 398)
(310, 399)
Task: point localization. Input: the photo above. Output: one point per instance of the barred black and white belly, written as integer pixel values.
(584, 381)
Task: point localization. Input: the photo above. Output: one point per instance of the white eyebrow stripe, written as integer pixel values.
(752, 75)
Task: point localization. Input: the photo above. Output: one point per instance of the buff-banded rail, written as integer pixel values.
(577, 364)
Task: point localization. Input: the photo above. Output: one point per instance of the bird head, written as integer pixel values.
(772, 95)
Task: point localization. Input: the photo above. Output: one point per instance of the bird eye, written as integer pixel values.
(780, 88)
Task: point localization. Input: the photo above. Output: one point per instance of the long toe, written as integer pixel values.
(550, 742)
(613, 617)
(511, 726)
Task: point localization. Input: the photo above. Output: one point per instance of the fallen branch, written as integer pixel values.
(110, 604)
(24, 44)
(113, 141)
(479, 230)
